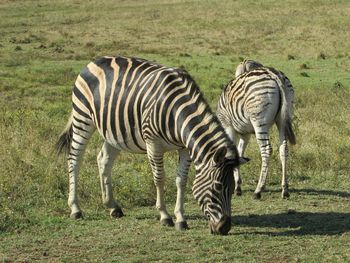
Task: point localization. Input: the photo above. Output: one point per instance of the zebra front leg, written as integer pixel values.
(232, 134)
(265, 151)
(105, 160)
(242, 145)
(181, 179)
(155, 156)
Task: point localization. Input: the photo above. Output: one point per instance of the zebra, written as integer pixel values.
(251, 103)
(140, 106)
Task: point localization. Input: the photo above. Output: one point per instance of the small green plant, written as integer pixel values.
(304, 66)
(321, 55)
(338, 86)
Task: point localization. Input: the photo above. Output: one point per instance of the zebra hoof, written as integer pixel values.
(181, 226)
(257, 196)
(167, 222)
(117, 213)
(238, 192)
(285, 194)
(77, 215)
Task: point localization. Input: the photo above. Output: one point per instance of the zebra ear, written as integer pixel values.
(219, 155)
(243, 160)
(237, 162)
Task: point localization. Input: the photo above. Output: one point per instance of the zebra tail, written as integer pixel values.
(290, 133)
(64, 142)
(287, 97)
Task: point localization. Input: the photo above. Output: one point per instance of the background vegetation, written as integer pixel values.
(43, 46)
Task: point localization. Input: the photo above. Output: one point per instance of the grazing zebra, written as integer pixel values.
(142, 107)
(251, 103)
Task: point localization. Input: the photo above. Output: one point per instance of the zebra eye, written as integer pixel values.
(218, 185)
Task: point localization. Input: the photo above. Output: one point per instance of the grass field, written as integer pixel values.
(43, 46)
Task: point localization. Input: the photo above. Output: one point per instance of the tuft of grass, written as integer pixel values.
(290, 57)
(304, 74)
(338, 86)
(304, 66)
(321, 55)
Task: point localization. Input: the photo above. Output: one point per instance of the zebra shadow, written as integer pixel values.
(307, 191)
(157, 217)
(311, 191)
(297, 223)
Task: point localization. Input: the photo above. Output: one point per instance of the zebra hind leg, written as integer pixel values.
(155, 156)
(263, 140)
(283, 152)
(105, 160)
(181, 179)
(81, 133)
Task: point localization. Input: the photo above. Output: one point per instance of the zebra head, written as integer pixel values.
(247, 65)
(213, 188)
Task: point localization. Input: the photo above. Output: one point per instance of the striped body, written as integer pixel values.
(250, 104)
(143, 107)
(120, 96)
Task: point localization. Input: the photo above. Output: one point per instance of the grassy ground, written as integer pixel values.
(299, 230)
(43, 46)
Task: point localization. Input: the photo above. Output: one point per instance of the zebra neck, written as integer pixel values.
(203, 137)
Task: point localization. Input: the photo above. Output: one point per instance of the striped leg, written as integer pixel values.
(105, 160)
(238, 181)
(181, 179)
(262, 136)
(82, 131)
(283, 152)
(155, 156)
(242, 146)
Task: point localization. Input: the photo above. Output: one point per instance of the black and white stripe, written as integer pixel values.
(143, 107)
(251, 103)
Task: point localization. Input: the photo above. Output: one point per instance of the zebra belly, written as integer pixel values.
(131, 143)
(138, 146)
(243, 127)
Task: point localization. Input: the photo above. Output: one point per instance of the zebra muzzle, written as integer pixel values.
(222, 227)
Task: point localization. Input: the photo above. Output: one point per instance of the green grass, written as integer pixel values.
(44, 45)
(271, 230)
